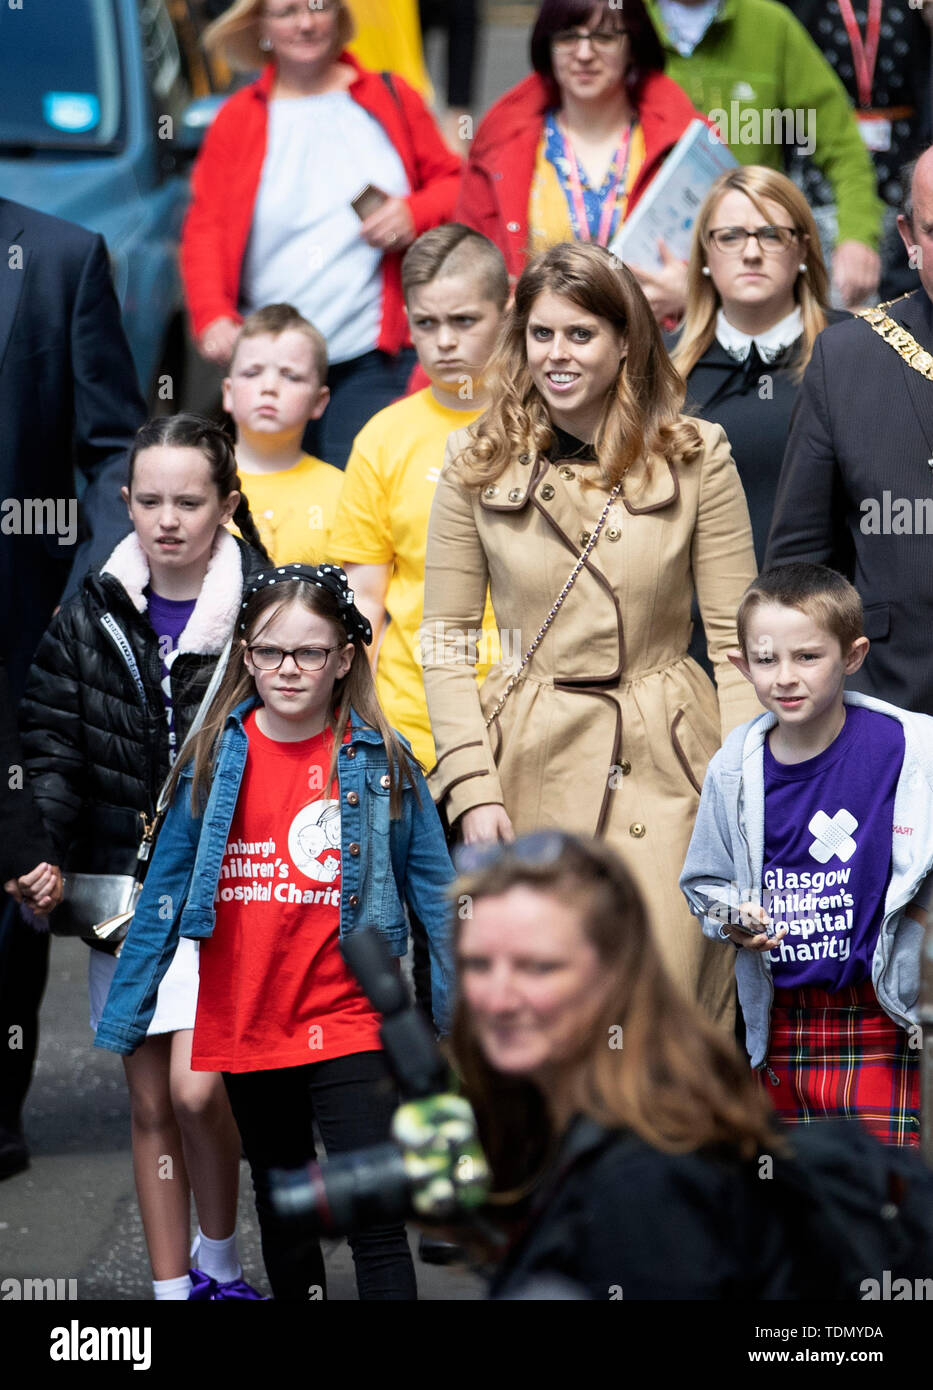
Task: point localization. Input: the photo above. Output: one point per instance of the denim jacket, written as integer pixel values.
(383, 864)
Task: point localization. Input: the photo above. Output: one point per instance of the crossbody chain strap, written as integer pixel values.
(571, 580)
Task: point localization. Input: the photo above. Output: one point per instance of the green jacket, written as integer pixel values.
(756, 57)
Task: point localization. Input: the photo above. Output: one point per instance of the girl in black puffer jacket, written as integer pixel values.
(101, 728)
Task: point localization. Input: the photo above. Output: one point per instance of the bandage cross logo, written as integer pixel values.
(833, 836)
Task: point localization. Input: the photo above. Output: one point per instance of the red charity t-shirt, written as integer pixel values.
(274, 989)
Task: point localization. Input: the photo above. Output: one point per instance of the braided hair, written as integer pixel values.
(189, 431)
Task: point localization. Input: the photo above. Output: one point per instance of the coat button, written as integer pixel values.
(636, 830)
(355, 849)
(566, 473)
(584, 537)
(350, 752)
(524, 458)
(547, 492)
(491, 491)
(613, 533)
(353, 900)
(625, 767)
(513, 226)
(516, 494)
(384, 781)
(353, 799)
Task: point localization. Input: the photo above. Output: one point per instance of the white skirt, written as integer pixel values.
(177, 1000)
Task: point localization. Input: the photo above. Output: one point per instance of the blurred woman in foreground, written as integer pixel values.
(622, 1132)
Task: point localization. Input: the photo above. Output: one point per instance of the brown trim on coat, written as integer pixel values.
(474, 743)
(656, 506)
(680, 755)
(465, 778)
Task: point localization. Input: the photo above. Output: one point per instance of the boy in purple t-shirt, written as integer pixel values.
(813, 837)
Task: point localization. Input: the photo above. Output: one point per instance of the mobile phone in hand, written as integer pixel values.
(367, 201)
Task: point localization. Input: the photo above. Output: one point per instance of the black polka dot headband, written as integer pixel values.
(329, 577)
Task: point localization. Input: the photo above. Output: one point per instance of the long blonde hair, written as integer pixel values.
(235, 34)
(355, 689)
(641, 416)
(670, 1077)
(811, 288)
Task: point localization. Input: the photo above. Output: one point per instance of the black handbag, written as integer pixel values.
(99, 907)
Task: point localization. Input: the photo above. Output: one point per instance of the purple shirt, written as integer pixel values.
(169, 617)
(829, 824)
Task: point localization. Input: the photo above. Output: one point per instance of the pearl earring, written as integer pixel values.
(265, 44)
(706, 270)
(802, 267)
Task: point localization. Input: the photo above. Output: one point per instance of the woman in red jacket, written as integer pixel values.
(567, 154)
(271, 218)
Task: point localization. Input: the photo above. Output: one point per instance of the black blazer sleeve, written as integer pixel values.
(23, 842)
(108, 410)
(810, 506)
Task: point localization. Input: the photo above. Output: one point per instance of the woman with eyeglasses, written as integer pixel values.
(622, 1132)
(568, 153)
(310, 184)
(584, 464)
(757, 296)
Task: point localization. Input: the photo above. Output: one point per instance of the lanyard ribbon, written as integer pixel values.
(581, 227)
(864, 55)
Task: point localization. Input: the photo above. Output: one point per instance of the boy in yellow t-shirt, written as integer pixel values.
(456, 287)
(275, 386)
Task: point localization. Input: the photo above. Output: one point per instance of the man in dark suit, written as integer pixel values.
(856, 488)
(69, 402)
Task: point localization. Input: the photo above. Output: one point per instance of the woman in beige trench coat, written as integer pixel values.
(609, 729)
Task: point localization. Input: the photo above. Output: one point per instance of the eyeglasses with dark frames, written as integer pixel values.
(267, 658)
(603, 40)
(771, 239)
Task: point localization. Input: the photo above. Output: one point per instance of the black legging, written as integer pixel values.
(458, 19)
(352, 1099)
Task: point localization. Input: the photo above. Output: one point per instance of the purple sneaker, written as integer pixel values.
(236, 1289)
(203, 1287)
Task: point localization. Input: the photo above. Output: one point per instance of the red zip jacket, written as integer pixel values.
(497, 180)
(225, 181)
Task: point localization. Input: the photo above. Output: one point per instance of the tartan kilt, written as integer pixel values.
(837, 1055)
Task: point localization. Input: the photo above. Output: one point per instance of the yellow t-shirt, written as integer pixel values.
(294, 510)
(382, 519)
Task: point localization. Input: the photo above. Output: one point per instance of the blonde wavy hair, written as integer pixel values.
(641, 417)
(235, 35)
(811, 288)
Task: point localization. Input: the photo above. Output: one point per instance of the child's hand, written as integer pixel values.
(41, 889)
(753, 914)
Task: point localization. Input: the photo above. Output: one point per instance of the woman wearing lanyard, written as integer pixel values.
(275, 217)
(568, 153)
(880, 50)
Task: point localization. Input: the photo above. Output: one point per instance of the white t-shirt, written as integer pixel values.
(686, 24)
(305, 246)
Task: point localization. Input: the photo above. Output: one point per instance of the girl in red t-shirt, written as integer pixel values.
(279, 1013)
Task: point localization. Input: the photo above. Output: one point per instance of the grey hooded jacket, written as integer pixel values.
(724, 865)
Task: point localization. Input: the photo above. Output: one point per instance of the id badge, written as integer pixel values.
(875, 131)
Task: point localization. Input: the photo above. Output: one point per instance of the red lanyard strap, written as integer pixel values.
(864, 55)
(582, 228)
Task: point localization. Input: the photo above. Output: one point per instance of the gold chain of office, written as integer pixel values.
(903, 343)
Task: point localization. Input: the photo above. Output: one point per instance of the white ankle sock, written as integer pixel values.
(218, 1258)
(174, 1289)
